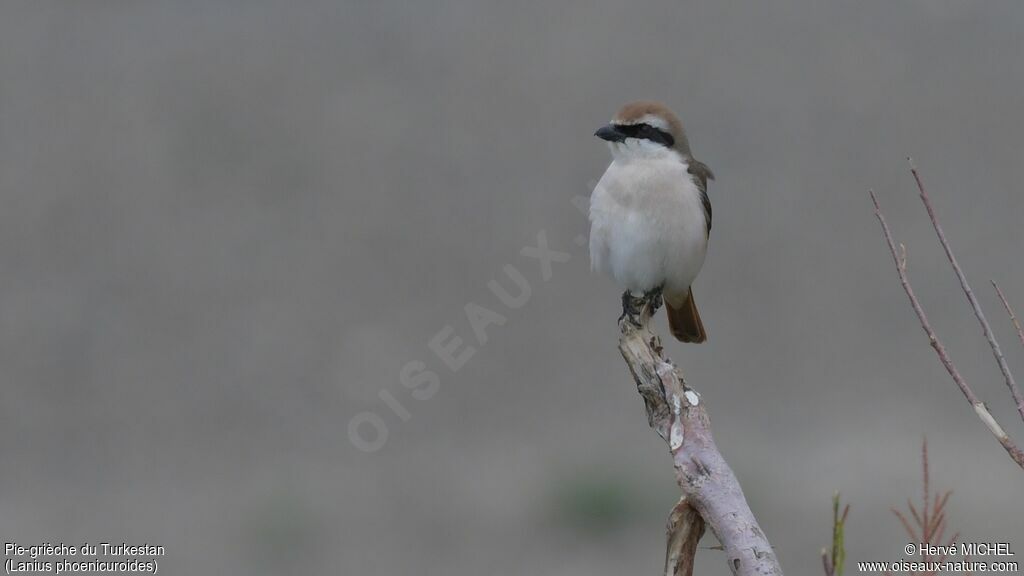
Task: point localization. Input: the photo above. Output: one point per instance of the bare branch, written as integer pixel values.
(1013, 317)
(685, 528)
(979, 407)
(1018, 399)
(676, 412)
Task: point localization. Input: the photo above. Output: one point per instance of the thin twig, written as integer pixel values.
(826, 563)
(1018, 399)
(1013, 317)
(924, 499)
(979, 407)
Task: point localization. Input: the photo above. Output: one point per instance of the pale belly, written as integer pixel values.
(647, 226)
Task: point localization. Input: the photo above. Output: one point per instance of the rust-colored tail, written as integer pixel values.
(684, 321)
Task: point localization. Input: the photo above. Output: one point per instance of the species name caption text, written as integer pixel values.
(84, 559)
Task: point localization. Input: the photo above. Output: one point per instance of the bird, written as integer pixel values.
(650, 215)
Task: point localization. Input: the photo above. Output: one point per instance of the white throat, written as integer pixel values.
(641, 149)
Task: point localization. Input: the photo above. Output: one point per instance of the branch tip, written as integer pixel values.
(900, 260)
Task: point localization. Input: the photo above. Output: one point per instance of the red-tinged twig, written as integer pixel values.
(930, 524)
(1018, 399)
(924, 495)
(1009, 310)
(900, 258)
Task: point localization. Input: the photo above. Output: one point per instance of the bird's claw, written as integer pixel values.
(633, 307)
(630, 309)
(653, 299)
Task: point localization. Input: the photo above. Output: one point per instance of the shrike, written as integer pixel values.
(650, 214)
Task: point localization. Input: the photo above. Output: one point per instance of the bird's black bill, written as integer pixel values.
(610, 133)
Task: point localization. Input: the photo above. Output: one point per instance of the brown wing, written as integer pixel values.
(701, 174)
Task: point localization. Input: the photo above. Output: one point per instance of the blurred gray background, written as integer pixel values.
(227, 226)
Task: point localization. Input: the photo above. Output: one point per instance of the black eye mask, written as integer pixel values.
(646, 132)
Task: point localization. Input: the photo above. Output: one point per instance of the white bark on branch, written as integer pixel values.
(677, 413)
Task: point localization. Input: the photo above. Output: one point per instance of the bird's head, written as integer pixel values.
(645, 129)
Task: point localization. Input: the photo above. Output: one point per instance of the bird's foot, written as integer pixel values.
(653, 299)
(631, 307)
(637, 309)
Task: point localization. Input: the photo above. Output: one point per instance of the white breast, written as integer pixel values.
(647, 223)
